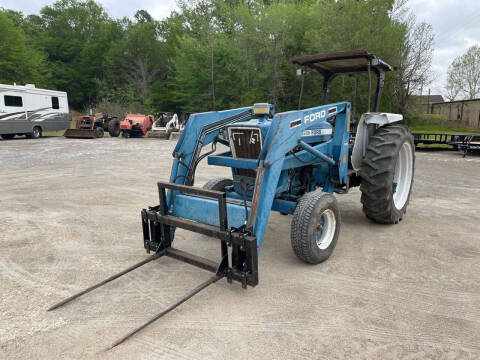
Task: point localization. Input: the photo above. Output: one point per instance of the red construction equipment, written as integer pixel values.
(136, 125)
(94, 126)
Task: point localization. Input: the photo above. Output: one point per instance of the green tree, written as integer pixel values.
(18, 62)
(134, 63)
(217, 54)
(463, 76)
(76, 35)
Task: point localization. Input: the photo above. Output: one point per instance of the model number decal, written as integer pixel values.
(314, 116)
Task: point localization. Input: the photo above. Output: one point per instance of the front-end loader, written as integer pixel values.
(290, 162)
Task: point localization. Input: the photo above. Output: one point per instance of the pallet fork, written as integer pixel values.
(158, 227)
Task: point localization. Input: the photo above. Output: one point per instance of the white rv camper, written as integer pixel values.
(26, 110)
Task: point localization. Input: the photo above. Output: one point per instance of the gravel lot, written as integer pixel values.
(70, 216)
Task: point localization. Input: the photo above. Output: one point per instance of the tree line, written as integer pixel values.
(463, 76)
(212, 54)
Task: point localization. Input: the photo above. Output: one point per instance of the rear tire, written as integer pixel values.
(387, 174)
(315, 227)
(114, 128)
(98, 132)
(36, 132)
(218, 184)
(8, 136)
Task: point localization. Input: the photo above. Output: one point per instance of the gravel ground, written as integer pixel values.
(70, 216)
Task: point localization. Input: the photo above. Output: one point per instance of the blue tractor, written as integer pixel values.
(290, 162)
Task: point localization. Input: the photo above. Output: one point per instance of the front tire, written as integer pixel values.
(98, 132)
(315, 227)
(387, 174)
(218, 184)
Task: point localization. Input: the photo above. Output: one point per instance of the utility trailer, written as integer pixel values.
(290, 162)
(439, 139)
(26, 110)
(464, 142)
(468, 144)
(433, 138)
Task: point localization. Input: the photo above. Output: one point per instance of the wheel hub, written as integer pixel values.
(325, 229)
(402, 179)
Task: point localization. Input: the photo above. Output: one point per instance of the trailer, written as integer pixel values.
(468, 144)
(456, 141)
(26, 110)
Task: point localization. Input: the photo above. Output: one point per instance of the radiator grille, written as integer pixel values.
(245, 143)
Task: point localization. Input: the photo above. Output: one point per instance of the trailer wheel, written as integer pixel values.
(315, 227)
(387, 174)
(98, 132)
(114, 128)
(218, 184)
(8, 136)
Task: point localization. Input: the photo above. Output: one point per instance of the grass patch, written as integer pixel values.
(53, 133)
(435, 146)
(435, 123)
(61, 132)
(441, 129)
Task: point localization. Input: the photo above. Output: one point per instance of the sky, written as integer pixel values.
(456, 23)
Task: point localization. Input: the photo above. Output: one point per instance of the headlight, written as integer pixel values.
(261, 109)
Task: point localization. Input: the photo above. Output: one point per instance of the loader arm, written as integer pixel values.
(283, 136)
(202, 129)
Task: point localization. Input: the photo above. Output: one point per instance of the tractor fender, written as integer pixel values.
(362, 136)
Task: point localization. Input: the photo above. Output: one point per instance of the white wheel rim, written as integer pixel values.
(326, 225)
(402, 178)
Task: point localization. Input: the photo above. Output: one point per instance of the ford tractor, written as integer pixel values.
(290, 162)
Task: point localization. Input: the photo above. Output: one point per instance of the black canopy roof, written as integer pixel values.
(342, 62)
